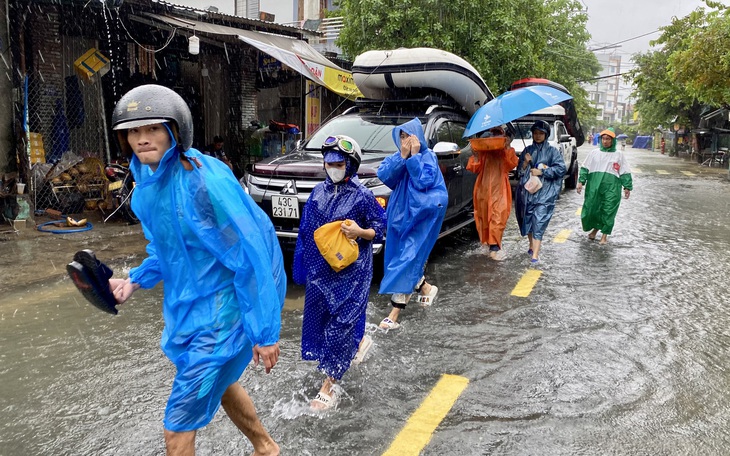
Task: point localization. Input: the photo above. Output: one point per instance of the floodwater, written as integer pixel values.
(619, 349)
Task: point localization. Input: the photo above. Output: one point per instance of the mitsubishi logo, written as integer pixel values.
(289, 188)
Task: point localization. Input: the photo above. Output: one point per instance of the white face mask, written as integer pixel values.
(337, 175)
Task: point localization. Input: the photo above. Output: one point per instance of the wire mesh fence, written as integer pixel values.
(65, 137)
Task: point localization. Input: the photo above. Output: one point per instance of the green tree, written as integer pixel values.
(503, 39)
(703, 66)
(687, 73)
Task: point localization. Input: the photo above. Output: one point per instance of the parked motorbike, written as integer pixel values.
(121, 187)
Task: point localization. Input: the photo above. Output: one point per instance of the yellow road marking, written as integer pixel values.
(562, 236)
(526, 283)
(661, 171)
(687, 173)
(417, 432)
(636, 170)
(579, 211)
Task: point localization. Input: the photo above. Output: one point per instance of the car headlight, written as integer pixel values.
(371, 182)
(244, 183)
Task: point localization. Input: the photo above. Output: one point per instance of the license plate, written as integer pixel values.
(284, 206)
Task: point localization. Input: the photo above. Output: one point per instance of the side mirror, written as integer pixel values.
(299, 144)
(565, 138)
(446, 148)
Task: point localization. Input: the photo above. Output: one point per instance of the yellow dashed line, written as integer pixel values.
(417, 432)
(579, 211)
(636, 170)
(526, 283)
(562, 236)
(661, 171)
(687, 173)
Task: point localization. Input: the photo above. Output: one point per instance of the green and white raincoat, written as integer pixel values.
(604, 172)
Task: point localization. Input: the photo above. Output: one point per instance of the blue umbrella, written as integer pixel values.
(622, 136)
(512, 105)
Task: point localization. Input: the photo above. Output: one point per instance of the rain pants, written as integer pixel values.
(604, 172)
(335, 302)
(223, 273)
(415, 211)
(492, 193)
(535, 210)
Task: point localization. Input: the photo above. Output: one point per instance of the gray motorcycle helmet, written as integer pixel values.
(150, 104)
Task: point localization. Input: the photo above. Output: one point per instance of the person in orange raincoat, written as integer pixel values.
(492, 193)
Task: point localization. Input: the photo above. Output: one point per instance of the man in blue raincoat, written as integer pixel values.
(534, 210)
(219, 259)
(416, 209)
(335, 302)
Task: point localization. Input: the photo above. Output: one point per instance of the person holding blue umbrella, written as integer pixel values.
(534, 210)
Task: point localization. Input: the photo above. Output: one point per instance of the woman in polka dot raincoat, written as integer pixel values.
(335, 302)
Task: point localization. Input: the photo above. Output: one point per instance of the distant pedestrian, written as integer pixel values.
(415, 211)
(335, 302)
(534, 210)
(215, 149)
(492, 191)
(604, 172)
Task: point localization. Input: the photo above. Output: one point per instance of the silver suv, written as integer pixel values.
(281, 185)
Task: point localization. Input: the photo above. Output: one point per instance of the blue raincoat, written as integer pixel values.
(335, 302)
(534, 211)
(223, 273)
(416, 209)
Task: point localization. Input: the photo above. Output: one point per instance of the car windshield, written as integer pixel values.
(523, 129)
(372, 133)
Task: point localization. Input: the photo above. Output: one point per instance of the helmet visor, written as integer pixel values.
(138, 123)
(341, 144)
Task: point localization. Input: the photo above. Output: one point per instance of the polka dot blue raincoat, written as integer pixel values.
(335, 302)
(223, 274)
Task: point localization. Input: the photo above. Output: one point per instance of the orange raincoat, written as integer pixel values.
(492, 192)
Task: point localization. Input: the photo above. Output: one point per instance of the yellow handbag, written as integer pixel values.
(334, 246)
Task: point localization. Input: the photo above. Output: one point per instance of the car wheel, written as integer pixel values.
(572, 181)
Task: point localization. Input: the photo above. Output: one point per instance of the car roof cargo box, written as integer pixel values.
(420, 72)
(570, 118)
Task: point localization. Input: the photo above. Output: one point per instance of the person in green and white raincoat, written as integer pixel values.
(603, 173)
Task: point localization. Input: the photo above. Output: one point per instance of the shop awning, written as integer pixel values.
(296, 54)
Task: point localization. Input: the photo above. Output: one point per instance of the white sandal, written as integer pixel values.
(329, 402)
(427, 299)
(388, 324)
(362, 351)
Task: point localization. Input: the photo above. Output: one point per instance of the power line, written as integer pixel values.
(603, 77)
(623, 41)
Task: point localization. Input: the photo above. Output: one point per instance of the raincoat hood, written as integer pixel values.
(612, 134)
(412, 127)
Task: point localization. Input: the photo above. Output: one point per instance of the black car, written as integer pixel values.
(282, 185)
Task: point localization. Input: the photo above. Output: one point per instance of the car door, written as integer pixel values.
(451, 167)
(566, 149)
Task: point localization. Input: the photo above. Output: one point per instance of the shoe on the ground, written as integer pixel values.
(324, 401)
(428, 299)
(534, 262)
(388, 324)
(362, 351)
(91, 277)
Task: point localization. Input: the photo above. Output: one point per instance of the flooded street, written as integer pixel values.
(618, 349)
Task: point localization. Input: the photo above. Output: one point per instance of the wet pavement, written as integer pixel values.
(617, 349)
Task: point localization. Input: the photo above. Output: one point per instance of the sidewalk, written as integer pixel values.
(31, 258)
